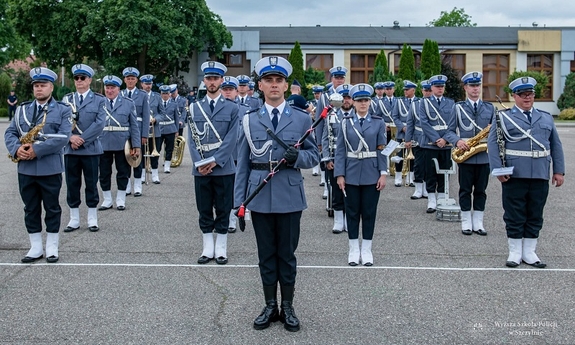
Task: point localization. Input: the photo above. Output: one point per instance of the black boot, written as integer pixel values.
(287, 314)
(270, 313)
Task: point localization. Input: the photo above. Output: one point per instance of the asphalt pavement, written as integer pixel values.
(136, 281)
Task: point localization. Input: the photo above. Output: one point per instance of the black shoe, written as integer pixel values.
(231, 230)
(137, 194)
(480, 232)
(128, 193)
(413, 197)
(324, 197)
(322, 184)
(220, 260)
(430, 210)
(467, 232)
(412, 184)
(166, 172)
(537, 264)
(121, 208)
(268, 315)
(29, 259)
(70, 229)
(93, 228)
(204, 260)
(288, 317)
(511, 264)
(104, 208)
(352, 263)
(315, 174)
(398, 184)
(336, 231)
(156, 182)
(52, 259)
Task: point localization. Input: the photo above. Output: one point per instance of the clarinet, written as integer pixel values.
(195, 135)
(330, 136)
(500, 137)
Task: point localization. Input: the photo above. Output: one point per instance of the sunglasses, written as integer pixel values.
(525, 95)
(80, 77)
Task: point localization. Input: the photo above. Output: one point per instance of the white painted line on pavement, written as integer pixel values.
(405, 268)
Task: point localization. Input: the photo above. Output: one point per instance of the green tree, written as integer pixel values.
(380, 68)
(295, 58)
(453, 87)
(151, 35)
(456, 17)
(567, 98)
(430, 59)
(13, 45)
(542, 80)
(406, 64)
(312, 77)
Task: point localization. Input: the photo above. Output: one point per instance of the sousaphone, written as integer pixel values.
(133, 161)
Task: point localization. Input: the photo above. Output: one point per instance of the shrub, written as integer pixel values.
(567, 114)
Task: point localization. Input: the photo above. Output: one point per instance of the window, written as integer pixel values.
(457, 62)
(495, 74)
(361, 67)
(572, 65)
(397, 57)
(233, 59)
(285, 56)
(322, 62)
(542, 63)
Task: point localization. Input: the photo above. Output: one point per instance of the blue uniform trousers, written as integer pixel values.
(523, 202)
(214, 193)
(122, 170)
(38, 190)
(473, 179)
(361, 204)
(76, 165)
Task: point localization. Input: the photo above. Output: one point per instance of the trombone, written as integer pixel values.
(148, 156)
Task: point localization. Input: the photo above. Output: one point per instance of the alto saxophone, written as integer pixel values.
(475, 146)
(30, 137)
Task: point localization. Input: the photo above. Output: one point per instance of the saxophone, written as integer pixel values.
(475, 146)
(30, 137)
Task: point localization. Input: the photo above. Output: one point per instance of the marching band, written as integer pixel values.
(237, 143)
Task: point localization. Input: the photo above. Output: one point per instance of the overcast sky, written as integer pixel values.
(550, 13)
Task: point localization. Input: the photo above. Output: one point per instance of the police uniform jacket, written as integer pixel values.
(89, 123)
(322, 102)
(366, 171)
(167, 117)
(459, 120)
(140, 99)
(399, 113)
(154, 100)
(284, 193)
(251, 102)
(542, 128)
(383, 108)
(128, 127)
(432, 125)
(49, 151)
(181, 102)
(413, 131)
(225, 119)
(335, 123)
(243, 109)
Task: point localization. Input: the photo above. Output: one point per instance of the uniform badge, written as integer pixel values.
(524, 80)
(339, 68)
(475, 74)
(440, 77)
(345, 86)
(273, 61)
(361, 87)
(211, 64)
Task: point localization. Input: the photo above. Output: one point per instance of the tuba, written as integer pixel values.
(475, 146)
(178, 154)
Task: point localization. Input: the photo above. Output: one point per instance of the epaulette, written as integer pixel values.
(252, 111)
(69, 94)
(25, 103)
(127, 98)
(63, 103)
(300, 110)
(375, 117)
(543, 111)
(460, 102)
(348, 117)
(98, 94)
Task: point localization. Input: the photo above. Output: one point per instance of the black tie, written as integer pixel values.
(212, 105)
(242, 100)
(361, 121)
(165, 104)
(275, 111)
(129, 94)
(528, 114)
(389, 100)
(345, 114)
(81, 99)
(439, 101)
(410, 101)
(475, 107)
(111, 104)
(35, 119)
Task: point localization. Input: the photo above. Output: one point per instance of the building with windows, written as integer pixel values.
(495, 51)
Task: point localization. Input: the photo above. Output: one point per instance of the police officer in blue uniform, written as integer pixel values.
(527, 139)
(361, 172)
(399, 113)
(383, 106)
(121, 125)
(317, 92)
(276, 211)
(331, 132)
(40, 163)
(167, 117)
(182, 103)
(435, 113)
(213, 133)
(414, 134)
(154, 100)
(143, 116)
(82, 154)
(243, 93)
(469, 118)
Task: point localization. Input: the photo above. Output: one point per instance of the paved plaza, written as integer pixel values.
(136, 281)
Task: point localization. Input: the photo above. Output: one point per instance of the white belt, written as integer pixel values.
(116, 129)
(418, 128)
(439, 127)
(139, 119)
(164, 123)
(209, 147)
(390, 124)
(532, 154)
(362, 155)
(333, 147)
